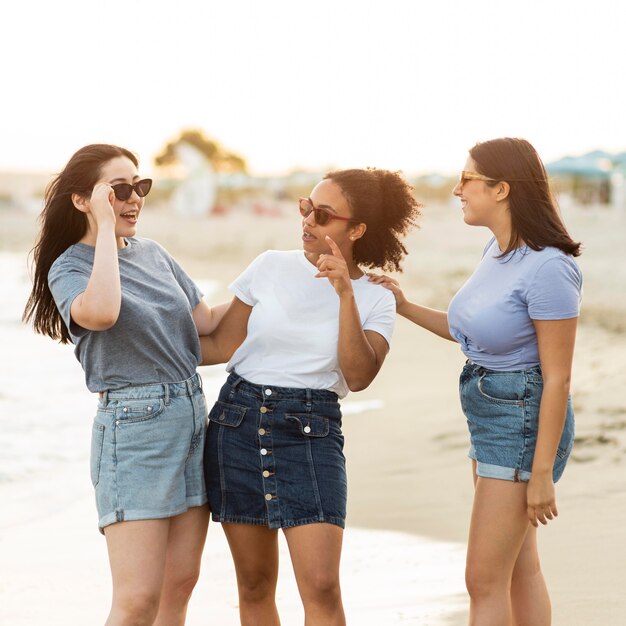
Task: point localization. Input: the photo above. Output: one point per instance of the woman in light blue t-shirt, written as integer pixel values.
(515, 320)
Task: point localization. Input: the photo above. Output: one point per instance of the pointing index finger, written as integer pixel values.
(334, 247)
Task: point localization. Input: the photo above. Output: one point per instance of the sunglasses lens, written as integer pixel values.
(143, 187)
(122, 191)
(305, 208)
(321, 217)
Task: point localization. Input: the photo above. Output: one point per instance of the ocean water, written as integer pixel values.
(46, 414)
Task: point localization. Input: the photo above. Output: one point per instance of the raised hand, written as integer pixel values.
(334, 267)
(100, 205)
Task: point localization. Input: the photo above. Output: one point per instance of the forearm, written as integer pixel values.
(552, 415)
(220, 345)
(431, 319)
(357, 358)
(207, 318)
(98, 307)
(213, 351)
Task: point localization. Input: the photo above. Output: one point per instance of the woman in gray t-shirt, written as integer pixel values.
(134, 317)
(515, 320)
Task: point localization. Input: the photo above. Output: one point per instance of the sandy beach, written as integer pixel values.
(410, 484)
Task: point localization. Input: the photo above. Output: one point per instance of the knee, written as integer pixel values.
(322, 588)
(182, 585)
(526, 569)
(481, 581)
(256, 586)
(138, 608)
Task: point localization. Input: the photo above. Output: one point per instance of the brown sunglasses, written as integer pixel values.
(322, 216)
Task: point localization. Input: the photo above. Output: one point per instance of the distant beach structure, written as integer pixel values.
(596, 177)
(195, 194)
(197, 159)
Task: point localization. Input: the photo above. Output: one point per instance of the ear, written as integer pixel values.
(80, 202)
(502, 191)
(357, 231)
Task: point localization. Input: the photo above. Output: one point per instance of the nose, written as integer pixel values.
(134, 198)
(309, 220)
(458, 189)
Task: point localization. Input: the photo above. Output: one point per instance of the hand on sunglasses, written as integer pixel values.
(100, 203)
(334, 267)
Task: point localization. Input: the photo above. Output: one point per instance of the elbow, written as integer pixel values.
(104, 323)
(358, 384)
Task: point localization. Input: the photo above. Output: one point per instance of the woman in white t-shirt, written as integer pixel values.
(311, 327)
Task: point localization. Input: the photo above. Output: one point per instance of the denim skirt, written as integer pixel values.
(502, 411)
(274, 456)
(146, 451)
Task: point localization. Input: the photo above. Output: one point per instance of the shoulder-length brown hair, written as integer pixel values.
(535, 218)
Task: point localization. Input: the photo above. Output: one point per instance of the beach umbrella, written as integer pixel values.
(596, 164)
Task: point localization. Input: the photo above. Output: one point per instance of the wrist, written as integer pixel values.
(542, 472)
(402, 308)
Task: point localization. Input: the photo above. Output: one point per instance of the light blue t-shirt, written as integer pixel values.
(491, 315)
(154, 339)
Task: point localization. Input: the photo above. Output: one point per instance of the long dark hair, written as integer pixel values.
(535, 218)
(62, 225)
(384, 201)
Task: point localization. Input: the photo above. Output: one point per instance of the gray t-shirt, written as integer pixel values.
(492, 314)
(154, 339)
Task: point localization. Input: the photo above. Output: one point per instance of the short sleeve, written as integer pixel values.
(66, 281)
(556, 290)
(243, 285)
(382, 317)
(192, 291)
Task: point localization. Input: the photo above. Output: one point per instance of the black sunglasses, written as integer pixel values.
(123, 191)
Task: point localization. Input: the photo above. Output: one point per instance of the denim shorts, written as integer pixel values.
(146, 451)
(502, 411)
(274, 456)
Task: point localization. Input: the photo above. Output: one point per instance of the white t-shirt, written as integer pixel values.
(293, 329)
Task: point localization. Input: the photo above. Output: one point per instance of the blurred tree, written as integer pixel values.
(220, 159)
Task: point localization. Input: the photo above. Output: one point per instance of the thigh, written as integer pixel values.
(254, 550)
(498, 526)
(315, 551)
(137, 554)
(187, 534)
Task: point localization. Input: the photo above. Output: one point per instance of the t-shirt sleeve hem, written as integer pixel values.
(559, 316)
(240, 294)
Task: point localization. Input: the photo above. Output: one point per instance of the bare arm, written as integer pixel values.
(229, 334)
(206, 318)
(98, 307)
(361, 353)
(430, 319)
(556, 349)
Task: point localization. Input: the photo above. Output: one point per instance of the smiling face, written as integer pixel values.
(123, 170)
(478, 200)
(328, 196)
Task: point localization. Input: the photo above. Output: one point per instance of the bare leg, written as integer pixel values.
(315, 553)
(498, 528)
(255, 554)
(529, 594)
(137, 552)
(187, 534)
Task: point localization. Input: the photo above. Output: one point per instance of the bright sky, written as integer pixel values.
(407, 84)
